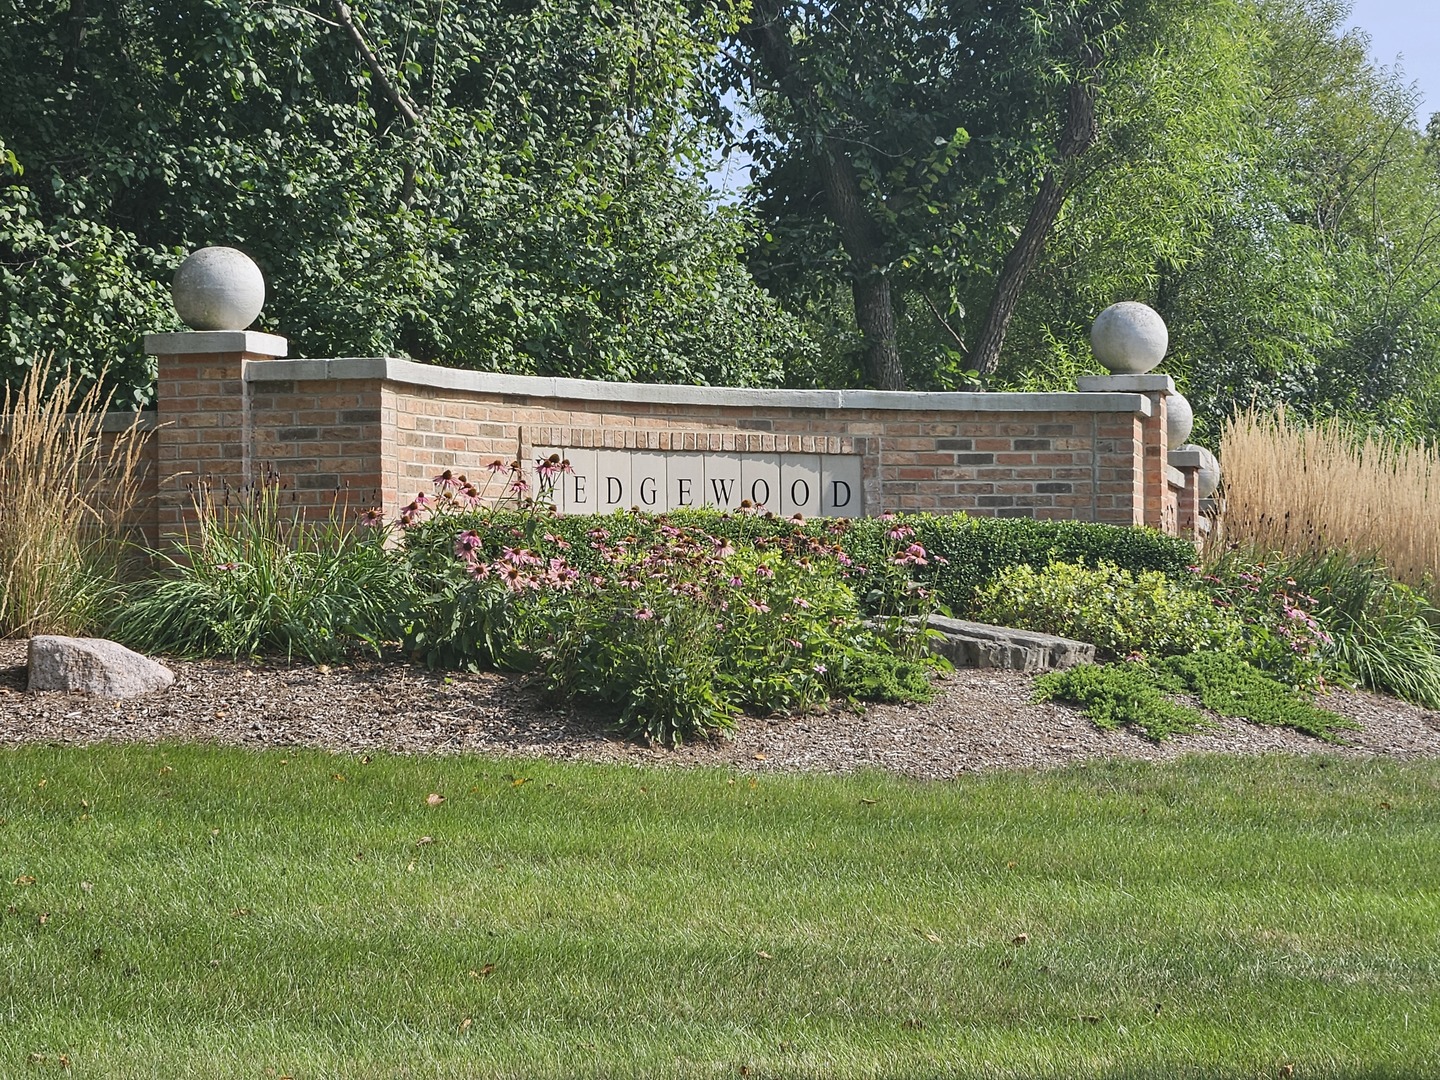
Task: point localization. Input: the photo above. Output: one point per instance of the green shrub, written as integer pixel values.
(252, 577)
(962, 552)
(1117, 611)
(1283, 631)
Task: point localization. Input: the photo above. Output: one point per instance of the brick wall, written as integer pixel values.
(375, 431)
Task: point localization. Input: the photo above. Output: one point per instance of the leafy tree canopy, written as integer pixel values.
(503, 184)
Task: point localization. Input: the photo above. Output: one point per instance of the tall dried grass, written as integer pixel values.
(1303, 489)
(67, 490)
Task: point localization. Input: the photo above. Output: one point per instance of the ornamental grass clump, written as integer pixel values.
(70, 491)
(253, 574)
(1310, 489)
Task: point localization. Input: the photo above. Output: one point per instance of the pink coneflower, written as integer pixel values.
(644, 614)
(497, 467)
(446, 481)
(372, 519)
(468, 545)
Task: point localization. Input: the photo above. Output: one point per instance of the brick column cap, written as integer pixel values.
(1183, 458)
(197, 342)
(1125, 384)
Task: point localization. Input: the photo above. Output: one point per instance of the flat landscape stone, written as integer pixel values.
(93, 666)
(980, 645)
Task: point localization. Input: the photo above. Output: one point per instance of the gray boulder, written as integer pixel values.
(980, 645)
(93, 666)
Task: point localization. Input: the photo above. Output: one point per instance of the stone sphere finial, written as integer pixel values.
(1207, 480)
(218, 288)
(1179, 419)
(1129, 338)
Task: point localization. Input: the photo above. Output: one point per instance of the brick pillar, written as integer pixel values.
(204, 430)
(1188, 519)
(1157, 503)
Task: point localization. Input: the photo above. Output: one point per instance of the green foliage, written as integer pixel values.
(1283, 632)
(1229, 686)
(1117, 611)
(497, 189)
(672, 627)
(1137, 694)
(1120, 695)
(255, 576)
(1385, 635)
(962, 552)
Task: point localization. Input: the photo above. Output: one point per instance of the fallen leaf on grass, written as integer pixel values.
(411, 868)
(516, 781)
(465, 1024)
(424, 840)
(763, 955)
(63, 1061)
(165, 770)
(487, 969)
(43, 918)
(339, 777)
(24, 879)
(1019, 939)
(867, 802)
(434, 799)
(239, 912)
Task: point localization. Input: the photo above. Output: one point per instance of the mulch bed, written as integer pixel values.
(980, 720)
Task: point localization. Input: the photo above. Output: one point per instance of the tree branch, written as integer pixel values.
(391, 91)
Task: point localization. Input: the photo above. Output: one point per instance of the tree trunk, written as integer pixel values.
(860, 235)
(1079, 135)
(875, 313)
(864, 243)
(1018, 264)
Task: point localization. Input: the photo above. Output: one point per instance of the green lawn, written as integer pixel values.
(204, 912)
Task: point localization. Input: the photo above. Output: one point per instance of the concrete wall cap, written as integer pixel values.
(1187, 459)
(1125, 384)
(207, 342)
(1175, 476)
(409, 373)
(124, 421)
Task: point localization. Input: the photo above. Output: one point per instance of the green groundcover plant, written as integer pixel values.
(1142, 695)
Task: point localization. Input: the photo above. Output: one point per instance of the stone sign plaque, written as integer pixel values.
(815, 485)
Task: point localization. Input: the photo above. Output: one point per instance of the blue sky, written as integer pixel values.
(1409, 29)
